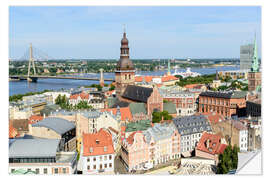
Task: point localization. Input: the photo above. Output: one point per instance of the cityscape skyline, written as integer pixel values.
(205, 32)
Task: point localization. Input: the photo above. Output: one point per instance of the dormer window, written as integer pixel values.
(91, 149)
(105, 148)
(97, 141)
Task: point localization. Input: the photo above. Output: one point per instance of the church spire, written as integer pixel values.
(255, 62)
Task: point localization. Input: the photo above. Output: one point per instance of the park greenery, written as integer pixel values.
(228, 160)
(18, 97)
(204, 79)
(63, 102)
(157, 116)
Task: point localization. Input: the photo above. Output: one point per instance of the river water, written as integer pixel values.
(22, 87)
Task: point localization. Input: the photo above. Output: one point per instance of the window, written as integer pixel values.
(64, 170)
(94, 167)
(105, 158)
(95, 159)
(100, 166)
(110, 157)
(88, 159)
(56, 171)
(45, 171)
(110, 165)
(88, 167)
(37, 171)
(12, 170)
(105, 148)
(105, 165)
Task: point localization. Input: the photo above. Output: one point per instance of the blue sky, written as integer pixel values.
(153, 32)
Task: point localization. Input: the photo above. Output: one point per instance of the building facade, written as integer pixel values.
(56, 128)
(40, 156)
(191, 128)
(184, 101)
(98, 152)
(223, 103)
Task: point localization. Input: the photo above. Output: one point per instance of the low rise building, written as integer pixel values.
(97, 152)
(184, 101)
(235, 74)
(56, 128)
(164, 143)
(40, 156)
(234, 131)
(135, 151)
(191, 128)
(210, 146)
(224, 103)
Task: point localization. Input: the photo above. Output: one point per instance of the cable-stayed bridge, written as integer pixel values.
(33, 54)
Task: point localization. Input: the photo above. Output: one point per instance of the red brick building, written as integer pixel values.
(224, 103)
(254, 80)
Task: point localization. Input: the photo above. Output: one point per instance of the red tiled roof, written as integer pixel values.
(138, 78)
(214, 117)
(211, 143)
(125, 113)
(34, 119)
(82, 95)
(167, 78)
(98, 143)
(148, 78)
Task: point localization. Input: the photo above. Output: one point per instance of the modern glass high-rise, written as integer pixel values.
(246, 55)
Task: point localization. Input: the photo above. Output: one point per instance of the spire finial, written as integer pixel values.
(124, 27)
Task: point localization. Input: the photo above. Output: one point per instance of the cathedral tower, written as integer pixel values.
(125, 71)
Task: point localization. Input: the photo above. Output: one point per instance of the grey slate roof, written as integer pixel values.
(137, 93)
(115, 102)
(170, 107)
(33, 148)
(59, 125)
(226, 95)
(137, 108)
(187, 125)
(91, 114)
(159, 131)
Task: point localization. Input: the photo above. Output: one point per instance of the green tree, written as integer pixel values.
(228, 160)
(112, 87)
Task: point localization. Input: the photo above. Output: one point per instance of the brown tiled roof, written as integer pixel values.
(97, 143)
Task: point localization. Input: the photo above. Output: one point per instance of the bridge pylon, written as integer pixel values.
(31, 61)
(101, 81)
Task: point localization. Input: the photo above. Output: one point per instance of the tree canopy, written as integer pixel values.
(157, 116)
(228, 160)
